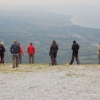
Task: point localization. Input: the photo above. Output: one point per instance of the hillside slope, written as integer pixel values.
(46, 82)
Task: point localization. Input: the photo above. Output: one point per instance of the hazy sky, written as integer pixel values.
(85, 12)
(6, 4)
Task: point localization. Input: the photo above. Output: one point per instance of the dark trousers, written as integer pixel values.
(76, 57)
(53, 58)
(2, 57)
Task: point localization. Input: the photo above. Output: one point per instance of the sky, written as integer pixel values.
(9, 4)
(85, 12)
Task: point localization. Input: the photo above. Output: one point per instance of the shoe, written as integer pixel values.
(70, 64)
(13, 67)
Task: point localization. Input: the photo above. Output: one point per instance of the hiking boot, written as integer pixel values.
(70, 64)
(13, 67)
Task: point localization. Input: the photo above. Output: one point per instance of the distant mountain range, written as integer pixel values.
(41, 29)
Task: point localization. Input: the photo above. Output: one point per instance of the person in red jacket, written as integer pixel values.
(31, 51)
(21, 52)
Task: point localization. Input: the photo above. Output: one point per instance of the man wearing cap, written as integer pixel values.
(75, 48)
(14, 49)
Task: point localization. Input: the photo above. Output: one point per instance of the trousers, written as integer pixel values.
(20, 58)
(15, 60)
(53, 58)
(98, 58)
(31, 58)
(76, 57)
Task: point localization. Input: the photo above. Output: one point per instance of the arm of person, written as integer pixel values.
(72, 47)
(57, 47)
(11, 48)
(50, 51)
(27, 49)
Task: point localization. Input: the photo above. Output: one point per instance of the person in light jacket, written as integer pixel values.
(99, 53)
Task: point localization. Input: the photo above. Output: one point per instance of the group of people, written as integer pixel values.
(17, 52)
(54, 49)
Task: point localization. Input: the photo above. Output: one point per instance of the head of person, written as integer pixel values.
(31, 43)
(18, 43)
(2, 43)
(53, 42)
(15, 41)
(74, 42)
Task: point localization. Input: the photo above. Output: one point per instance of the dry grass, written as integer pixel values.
(7, 68)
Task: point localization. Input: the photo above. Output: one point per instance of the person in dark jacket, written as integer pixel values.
(75, 48)
(14, 49)
(53, 52)
(2, 50)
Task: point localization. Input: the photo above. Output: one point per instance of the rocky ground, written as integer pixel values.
(46, 82)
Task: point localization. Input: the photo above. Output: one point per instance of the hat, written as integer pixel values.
(74, 41)
(18, 43)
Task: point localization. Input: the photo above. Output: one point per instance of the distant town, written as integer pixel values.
(42, 29)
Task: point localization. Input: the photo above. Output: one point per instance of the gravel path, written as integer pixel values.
(68, 83)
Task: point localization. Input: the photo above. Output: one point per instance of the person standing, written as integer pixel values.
(3, 54)
(31, 51)
(2, 50)
(14, 49)
(53, 52)
(99, 53)
(21, 52)
(75, 48)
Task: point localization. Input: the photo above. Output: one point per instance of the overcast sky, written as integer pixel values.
(6, 4)
(82, 10)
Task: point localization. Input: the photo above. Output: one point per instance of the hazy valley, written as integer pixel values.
(41, 29)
